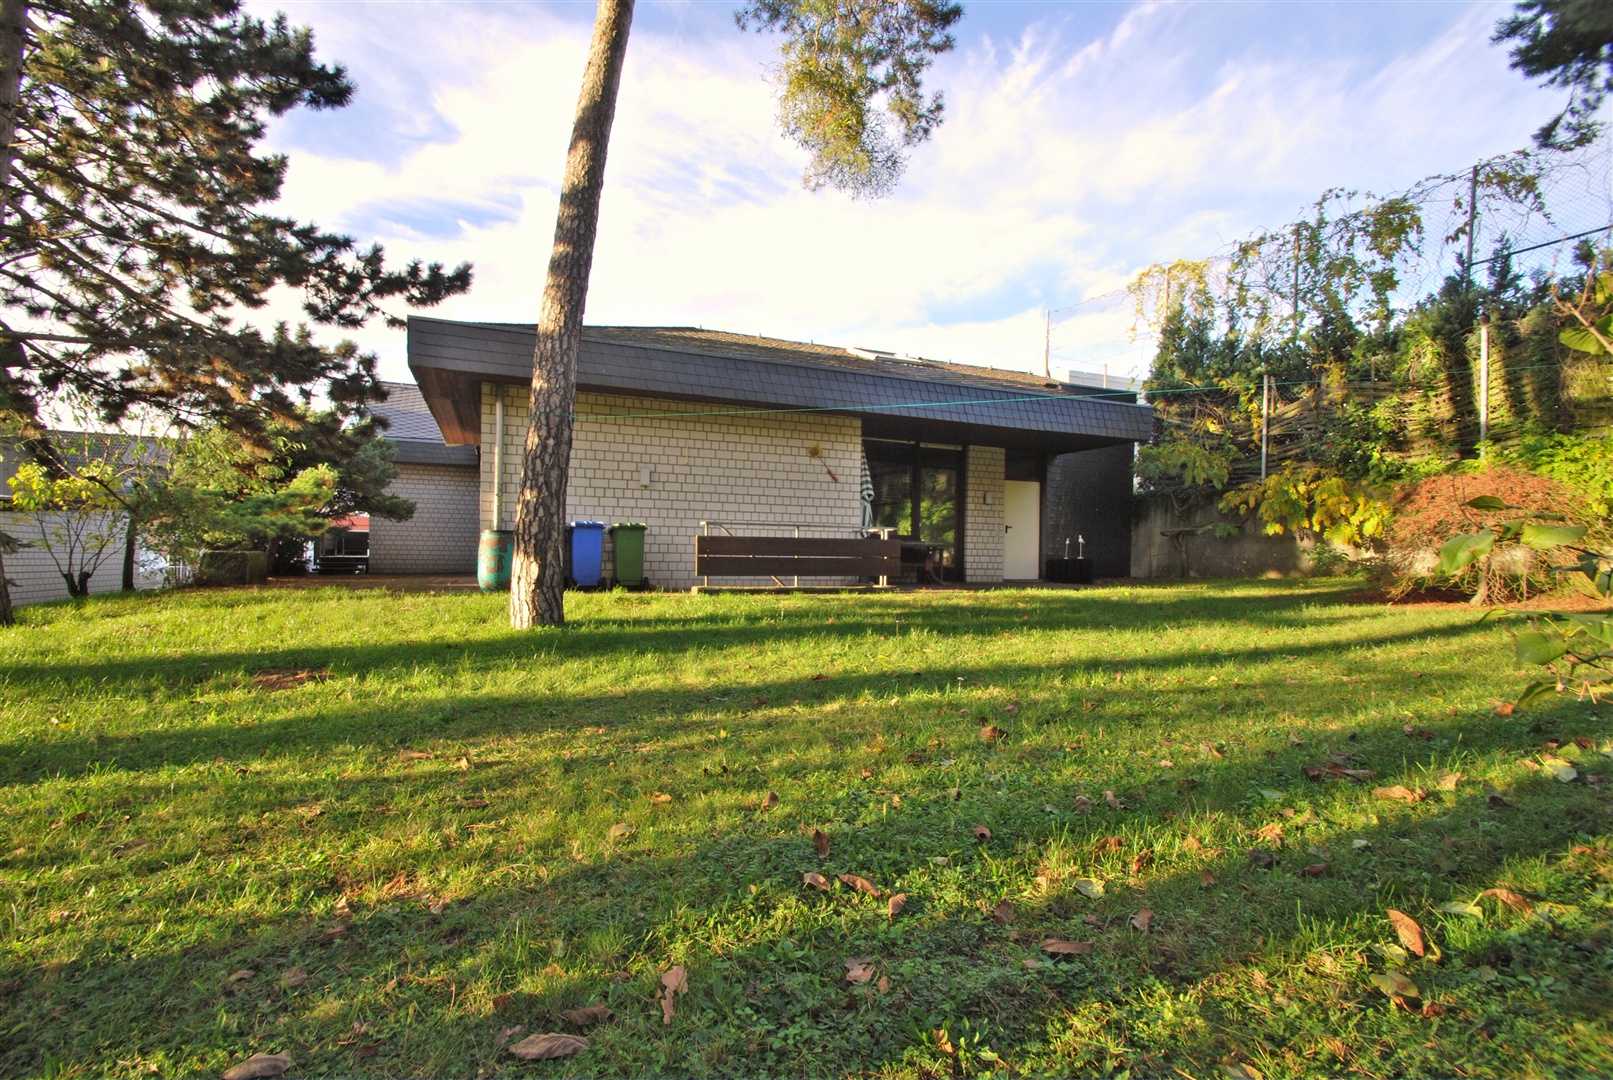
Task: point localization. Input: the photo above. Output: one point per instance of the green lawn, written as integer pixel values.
(461, 829)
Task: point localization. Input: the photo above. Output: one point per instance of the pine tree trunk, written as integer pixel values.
(7, 617)
(537, 590)
(13, 32)
(130, 539)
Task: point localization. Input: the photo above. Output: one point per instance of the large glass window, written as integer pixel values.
(918, 493)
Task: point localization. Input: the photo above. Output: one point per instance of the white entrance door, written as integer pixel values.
(1022, 514)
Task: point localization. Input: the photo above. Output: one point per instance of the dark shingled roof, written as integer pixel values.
(413, 431)
(896, 397)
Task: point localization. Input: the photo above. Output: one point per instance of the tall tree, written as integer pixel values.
(1568, 44)
(839, 60)
(134, 231)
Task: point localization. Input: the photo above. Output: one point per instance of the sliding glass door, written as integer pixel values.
(918, 494)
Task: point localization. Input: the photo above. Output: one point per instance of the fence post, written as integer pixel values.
(1265, 400)
(1484, 379)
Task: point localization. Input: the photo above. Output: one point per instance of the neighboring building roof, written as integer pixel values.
(897, 397)
(413, 432)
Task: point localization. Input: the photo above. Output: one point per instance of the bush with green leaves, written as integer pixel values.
(79, 519)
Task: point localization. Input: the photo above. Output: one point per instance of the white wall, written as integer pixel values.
(703, 466)
(441, 538)
(34, 574)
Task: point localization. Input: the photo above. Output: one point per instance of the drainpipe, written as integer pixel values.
(498, 460)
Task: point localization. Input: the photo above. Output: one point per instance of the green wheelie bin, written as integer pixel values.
(629, 537)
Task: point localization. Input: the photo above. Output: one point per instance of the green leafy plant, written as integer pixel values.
(1576, 647)
(1301, 497)
(78, 519)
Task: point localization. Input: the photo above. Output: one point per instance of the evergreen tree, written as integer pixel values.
(1567, 44)
(134, 231)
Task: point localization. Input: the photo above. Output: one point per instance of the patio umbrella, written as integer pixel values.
(867, 494)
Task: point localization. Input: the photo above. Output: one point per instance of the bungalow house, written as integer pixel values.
(689, 431)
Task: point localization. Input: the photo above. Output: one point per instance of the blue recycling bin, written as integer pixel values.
(587, 552)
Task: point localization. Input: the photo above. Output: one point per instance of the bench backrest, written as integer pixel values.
(795, 556)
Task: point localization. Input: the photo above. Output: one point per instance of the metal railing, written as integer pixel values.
(728, 527)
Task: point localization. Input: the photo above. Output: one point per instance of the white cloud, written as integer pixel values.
(1065, 164)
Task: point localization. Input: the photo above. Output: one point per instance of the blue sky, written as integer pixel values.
(1083, 141)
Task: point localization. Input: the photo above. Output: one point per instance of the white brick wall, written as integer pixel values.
(703, 466)
(441, 538)
(982, 523)
(35, 575)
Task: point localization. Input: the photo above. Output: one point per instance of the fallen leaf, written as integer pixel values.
(335, 933)
(1206, 879)
(1108, 845)
(1561, 769)
(660, 797)
(896, 904)
(1142, 919)
(1510, 899)
(1091, 888)
(295, 977)
(1494, 799)
(860, 970)
(1263, 859)
(1449, 781)
(1003, 912)
(129, 847)
(1504, 709)
(589, 1016)
(285, 678)
(1411, 935)
(1141, 861)
(501, 1000)
(1166, 763)
(1417, 732)
(416, 755)
(1115, 803)
(816, 880)
(258, 1066)
(1462, 907)
(1393, 953)
(1396, 985)
(367, 1050)
(884, 985)
(619, 830)
(1242, 1071)
(473, 804)
(868, 774)
(506, 1034)
(770, 800)
(820, 840)
(1082, 804)
(1067, 948)
(819, 678)
(861, 884)
(1192, 844)
(1208, 750)
(464, 764)
(981, 832)
(242, 976)
(1272, 832)
(676, 981)
(544, 1047)
(1398, 791)
(991, 733)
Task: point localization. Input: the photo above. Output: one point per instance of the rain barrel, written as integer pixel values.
(493, 557)
(587, 552)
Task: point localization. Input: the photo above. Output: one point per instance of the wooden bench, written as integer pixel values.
(795, 556)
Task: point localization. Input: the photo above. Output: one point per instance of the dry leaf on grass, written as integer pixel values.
(544, 1047)
(1449, 781)
(816, 880)
(1067, 948)
(506, 1034)
(1113, 801)
(589, 1016)
(128, 847)
(416, 755)
(819, 678)
(1399, 791)
(1315, 869)
(675, 981)
(1107, 845)
(620, 830)
(1411, 935)
(991, 733)
(1209, 751)
(660, 797)
(1142, 861)
(1263, 859)
(259, 1066)
(1510, 899)
(1494, 799)
(293, 978)
(884, 985)
(1242, 1071)
(1396, 985)
(1091, 888)
(896, 904)
(770, 800)
(1083, 804)
(981, 832)
(1272, 832)
(1003, 912)
(335, 933)
(1143, 919)
(820, 840)
(860, 970)
(1206, 879)
(1416, 732)
(242, 976)
(861, 884)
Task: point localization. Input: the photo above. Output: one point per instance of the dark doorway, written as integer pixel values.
(918, 493)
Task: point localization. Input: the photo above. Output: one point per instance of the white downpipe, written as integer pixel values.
(498, 460)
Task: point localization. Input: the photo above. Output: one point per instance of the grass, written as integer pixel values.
(382, 869)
